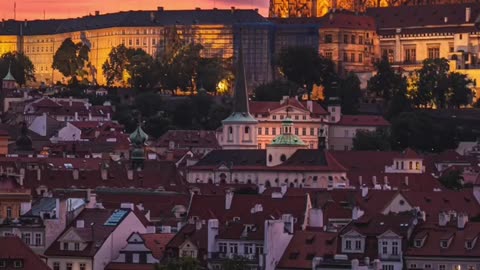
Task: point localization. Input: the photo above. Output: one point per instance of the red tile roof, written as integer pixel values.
(363, 121)
(12, 247)
(157, 242)
(304, 246)
(265, 107)
(189, 139)
(129, 266)
(457, 248)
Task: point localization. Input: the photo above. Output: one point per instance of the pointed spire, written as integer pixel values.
(9, 76)
(240, 94)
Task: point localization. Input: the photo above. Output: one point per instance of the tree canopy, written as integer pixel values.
(377, 140)
(275, 90)
(70, 58)
(386, 83)
(20, 66)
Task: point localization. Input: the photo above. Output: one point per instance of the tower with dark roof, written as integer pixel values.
(9, 82)
(239, 130)
(138, 139)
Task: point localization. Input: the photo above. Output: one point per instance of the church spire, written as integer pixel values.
(240, 90)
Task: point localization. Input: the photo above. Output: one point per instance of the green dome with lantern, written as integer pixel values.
(287, 138)
(138, 139)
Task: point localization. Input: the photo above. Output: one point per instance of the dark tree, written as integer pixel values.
(459, 91)
(116, 65)
(70, 58)
(377, 140)
(236, 263)
(140, 69)
(305, 67)
(211, 71)
(149, 104)
(275, 90)
(20, 66)
(387, 82)
(350, 94)
(184, 263)
(452, 179)
(432, 84)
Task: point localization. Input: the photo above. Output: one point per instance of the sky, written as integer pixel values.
(34, 9)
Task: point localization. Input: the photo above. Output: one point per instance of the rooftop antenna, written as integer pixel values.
(15, 11)
(44, 17)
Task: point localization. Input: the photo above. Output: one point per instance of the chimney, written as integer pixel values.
(315, 218)
(445, 19)
(80, 223)
(283, 189)
(130, 206)
(406, 180)
(39, 174)
(360, 181)
(25, 23)
(130, 174)
(75, 174)
(97, 13)
(159, 8)
(367, 261)
(310, 105)
(212, 232)
(355, 264)
(228, 199)
(22, 176)
(261, 188)
(357, 213)
(92, 199)
(462, 219)
(152, 16)
(198, 225)
(104, 173)
(76, 116)
(443, 218)
(70, 101)
(468, 14)
(364, 191)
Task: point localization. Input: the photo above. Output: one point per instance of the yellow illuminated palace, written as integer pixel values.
(216, 30)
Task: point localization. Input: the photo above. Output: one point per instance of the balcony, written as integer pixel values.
(219, 256)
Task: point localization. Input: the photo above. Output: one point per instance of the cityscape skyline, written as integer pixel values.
(58, 9)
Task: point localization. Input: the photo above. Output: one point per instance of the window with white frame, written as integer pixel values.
(38, 239)
(222, 247)
(387, 267)
(358, 245)
(248, 249)
(348, 245)
(395, 248)
(233, 248)
(384, 247)
(26, 238)
(442, 267)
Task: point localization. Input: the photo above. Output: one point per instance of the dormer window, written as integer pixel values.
(418, 243)
(18, 264)
(444, 243)
(469, 244)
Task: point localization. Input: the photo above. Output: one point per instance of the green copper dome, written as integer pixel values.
(287, 138)
(138, 137)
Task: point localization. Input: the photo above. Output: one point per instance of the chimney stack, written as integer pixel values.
(462, 219)
(468, 14)
(228, 199)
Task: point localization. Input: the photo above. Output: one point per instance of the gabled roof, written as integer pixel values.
(14, 248)
(363, 121)
(188, 139)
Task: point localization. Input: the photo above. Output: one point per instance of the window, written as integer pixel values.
(352, 57)
(259, 249)
(65, 246)
(222, 247)
(418, 243)
(387, 267)
(274, 117)
(348, 245)
(434, 53)
(346, 133)
(137, 42)
(468, 244)
(56, 266)
(304, 131)
(18, 264)
(248, 249)
(83, 266)
(329, 55)
(444, 243)
(247, 130)
(9, 212)
(259, 131)
(345, 57)
(345, 39)
(304, 117)
(26, 238)
(360, 39)
(360, 57)
(130, 42)
(234, 248)
(274, 131)
(427, 266)
(283, 158)
(384, 247)
(296, 131)
(417, 165)
(69, 266)
(77, 246)
(410, 55)
(354, 39)
(266, 131)
(441, 267)
(358, 244)
(413, 265)
(328, 38)
(312, 131)
(3, 264)
(395, 248)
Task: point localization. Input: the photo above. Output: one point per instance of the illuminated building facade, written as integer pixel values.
(318, 8)
(149, 30)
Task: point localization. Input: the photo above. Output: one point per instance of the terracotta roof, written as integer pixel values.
(97, 217)
(213, 207)
(157, 242)
(240, 231)
(13, 248)
(457, 248)
(190, 232)
(363, 120)
(425, 18)
(189, 139)
(265, 107)
(304, 246)
(301, 160)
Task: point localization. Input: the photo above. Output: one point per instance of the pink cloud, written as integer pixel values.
(34, 9)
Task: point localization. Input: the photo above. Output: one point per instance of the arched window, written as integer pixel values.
(267, 184)
(270, 158)
(247, 130)
(283, 158)
(230, 133)
(292, 185)
(223, 178)
(410, 165)
(249, 181)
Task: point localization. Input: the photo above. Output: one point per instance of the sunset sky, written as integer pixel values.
(33, 9)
